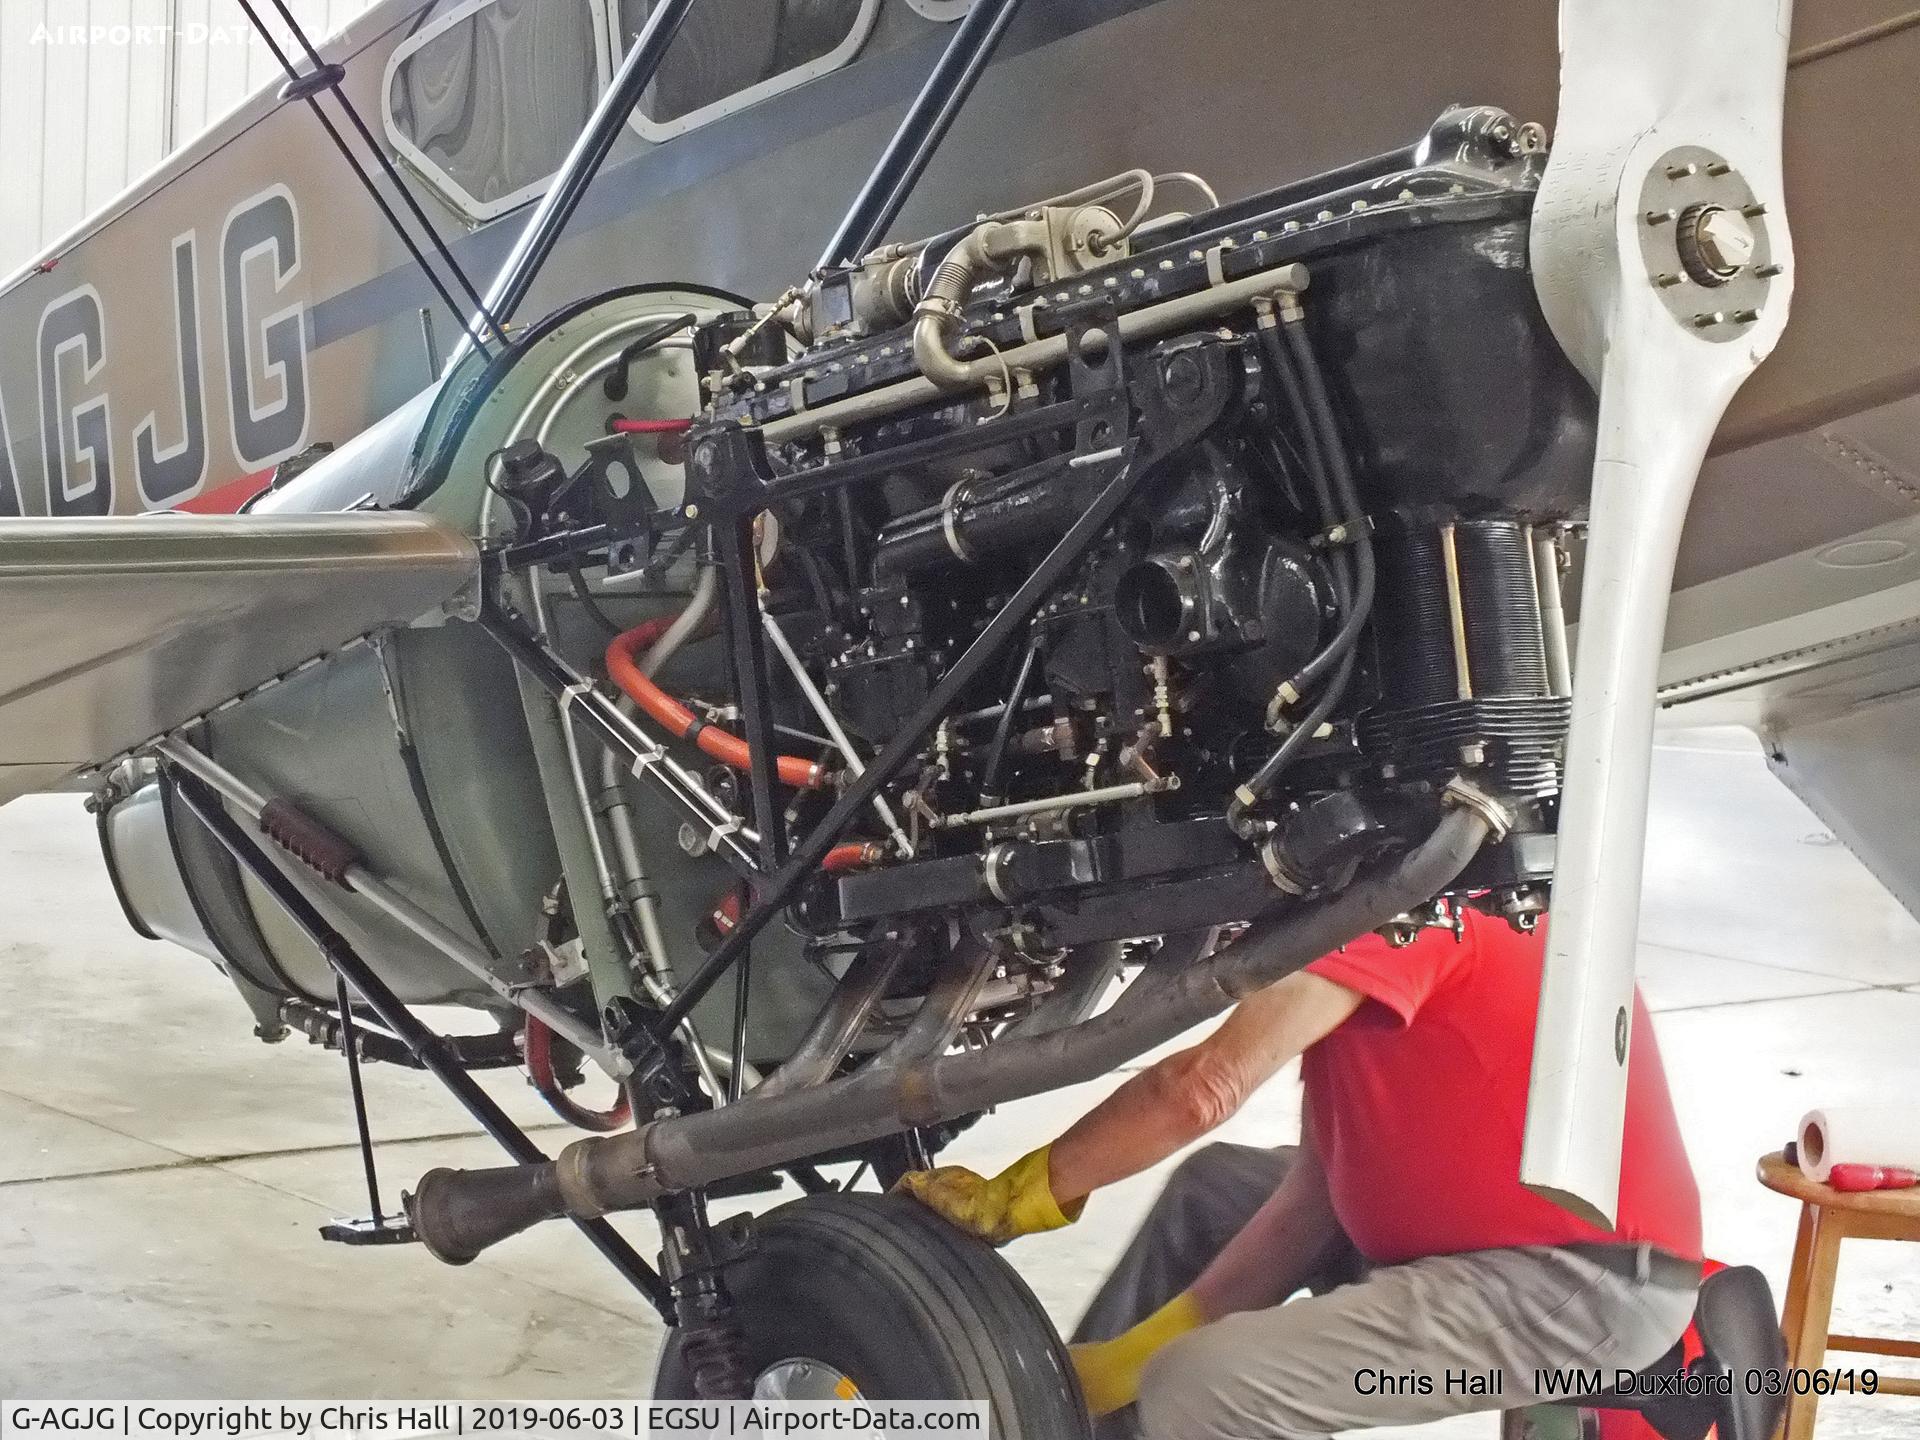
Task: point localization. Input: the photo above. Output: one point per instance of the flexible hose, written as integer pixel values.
(1332, 478)
(725, 913)
(619, 817)
(539, 1058)
(1313, 460)
(624, 668)
(851, 856)
(652, 427)
(1304, 731)
(1319, 414)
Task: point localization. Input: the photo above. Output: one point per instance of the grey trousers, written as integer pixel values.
(1401, 1345)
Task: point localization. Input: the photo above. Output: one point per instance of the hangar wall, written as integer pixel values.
(95, 93)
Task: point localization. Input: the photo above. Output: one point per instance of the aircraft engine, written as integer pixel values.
(1335, 593)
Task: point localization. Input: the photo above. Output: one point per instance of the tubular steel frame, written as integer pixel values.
(739, 484)
(431, 1048)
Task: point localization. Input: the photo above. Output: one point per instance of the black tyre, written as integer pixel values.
(880, 1293)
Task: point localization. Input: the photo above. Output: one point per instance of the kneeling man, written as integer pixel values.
(1469, 1287)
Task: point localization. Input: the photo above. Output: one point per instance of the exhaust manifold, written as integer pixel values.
(459, 1214)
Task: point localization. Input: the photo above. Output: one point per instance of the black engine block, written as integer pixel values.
(1251, 533)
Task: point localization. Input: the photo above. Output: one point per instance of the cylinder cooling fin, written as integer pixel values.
(1464, 650)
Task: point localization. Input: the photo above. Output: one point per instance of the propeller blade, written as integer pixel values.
(1662, 262)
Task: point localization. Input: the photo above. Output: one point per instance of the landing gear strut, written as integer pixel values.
(707, 1333)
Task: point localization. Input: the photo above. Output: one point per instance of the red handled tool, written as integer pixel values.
(1855, 1178)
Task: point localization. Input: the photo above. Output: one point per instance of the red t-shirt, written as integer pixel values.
(1418, 1102)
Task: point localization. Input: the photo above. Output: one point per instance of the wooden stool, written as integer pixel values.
(1827, 1217)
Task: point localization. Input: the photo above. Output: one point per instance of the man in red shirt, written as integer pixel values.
(1416, 1069)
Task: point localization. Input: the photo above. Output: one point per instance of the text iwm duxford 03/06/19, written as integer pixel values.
(870, 657)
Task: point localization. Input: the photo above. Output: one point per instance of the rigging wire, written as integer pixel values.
(394, 178)
(324, 76)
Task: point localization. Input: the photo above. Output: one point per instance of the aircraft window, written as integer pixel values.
(731, 53)
(487, 101)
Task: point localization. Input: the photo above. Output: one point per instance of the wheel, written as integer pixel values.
(875, 1297)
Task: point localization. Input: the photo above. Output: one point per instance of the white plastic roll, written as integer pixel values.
(1859, 1135)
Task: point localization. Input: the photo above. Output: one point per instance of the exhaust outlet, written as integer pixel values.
(460, 1213)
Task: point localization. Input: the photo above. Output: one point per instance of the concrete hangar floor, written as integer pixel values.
(162, 1174)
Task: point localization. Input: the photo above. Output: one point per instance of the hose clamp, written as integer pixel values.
(993, 871)
(1279, 872)
(956, 496)
(938, 308)
(1467, 795)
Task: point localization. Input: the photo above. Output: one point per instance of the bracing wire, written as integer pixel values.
(394, 178)
(288, 64)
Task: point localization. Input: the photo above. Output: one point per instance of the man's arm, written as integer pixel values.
(1178, 1099)
(1156, 1113)
(1278, 1250)
(1273, 1255)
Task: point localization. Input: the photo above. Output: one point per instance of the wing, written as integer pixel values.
(121, 629)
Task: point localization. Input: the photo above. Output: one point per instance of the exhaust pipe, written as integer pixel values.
(460, 1213)
(473, 1209)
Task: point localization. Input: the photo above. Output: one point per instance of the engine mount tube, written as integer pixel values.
(596, 1176)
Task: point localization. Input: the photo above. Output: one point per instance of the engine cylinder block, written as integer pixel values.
(1465, 683)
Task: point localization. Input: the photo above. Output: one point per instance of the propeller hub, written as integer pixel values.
(1705, 240)
(1715, 243)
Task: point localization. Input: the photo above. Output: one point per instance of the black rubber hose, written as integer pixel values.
(1310, 453)
(1346, 497)
(1303, 731)
(1300, 381)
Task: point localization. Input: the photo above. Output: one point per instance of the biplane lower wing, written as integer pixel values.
(120, 629)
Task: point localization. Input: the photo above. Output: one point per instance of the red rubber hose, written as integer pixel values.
(850, 856)
(539, 1057)
(725, 913)
(623, 667)
(652, 427)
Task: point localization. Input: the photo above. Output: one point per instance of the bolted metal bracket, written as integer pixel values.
(1703, 235)
(727, 471)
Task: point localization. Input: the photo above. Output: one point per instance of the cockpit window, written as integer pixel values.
(731, 53)
(487, 101)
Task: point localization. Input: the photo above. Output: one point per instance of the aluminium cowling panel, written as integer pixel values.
(122, 628)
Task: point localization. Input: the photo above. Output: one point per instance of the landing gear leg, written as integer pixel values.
(707, 1330)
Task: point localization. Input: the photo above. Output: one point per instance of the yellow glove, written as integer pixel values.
(1018, 1201)
(1110, 1370)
